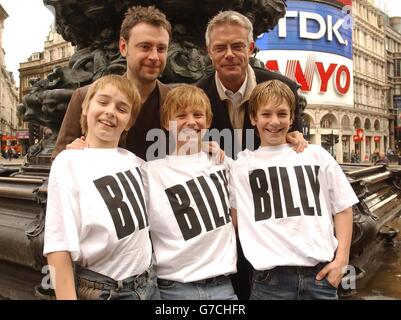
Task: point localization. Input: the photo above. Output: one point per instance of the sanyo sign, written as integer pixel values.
(312, 45)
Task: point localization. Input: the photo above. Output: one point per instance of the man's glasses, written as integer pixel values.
(237, 47)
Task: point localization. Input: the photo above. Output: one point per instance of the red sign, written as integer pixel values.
(5, 138)
(345, 2)
(359, 133)
(356, 138)
(377, 138)
(22, 134)
(305, 77)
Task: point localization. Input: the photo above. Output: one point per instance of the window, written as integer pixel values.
(390, 69)
(363, 100)
(325, 123)
(345, 122)
(377, 125)
(397, 68)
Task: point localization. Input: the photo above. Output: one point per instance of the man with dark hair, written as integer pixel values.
(144, 39)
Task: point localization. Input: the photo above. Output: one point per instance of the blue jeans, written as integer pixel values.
(95, 286)
(217, 288)
(291, 283)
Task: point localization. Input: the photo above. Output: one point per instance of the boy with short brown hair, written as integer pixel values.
(289, 205)
(96, 215)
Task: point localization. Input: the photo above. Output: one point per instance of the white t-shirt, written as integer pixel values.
(96, 211)
(285, 204)
(189, 216)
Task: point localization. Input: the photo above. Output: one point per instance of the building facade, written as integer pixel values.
(336, 53)
(393, 56)
(372, 115)
(8, 98)
(57, 52)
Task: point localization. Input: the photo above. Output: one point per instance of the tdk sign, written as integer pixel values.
(311, 26)
(308, 22)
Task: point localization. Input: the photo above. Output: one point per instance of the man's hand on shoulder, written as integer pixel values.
(77, 144)
(297, 140)
(213, 148)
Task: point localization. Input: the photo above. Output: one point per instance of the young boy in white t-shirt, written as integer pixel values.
(294, 209)
(192, 233)
(96, 214)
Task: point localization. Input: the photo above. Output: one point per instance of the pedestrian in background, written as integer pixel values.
(382, 159)
(9, 153)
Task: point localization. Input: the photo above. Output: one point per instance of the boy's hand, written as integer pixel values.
(297, 140)
(213, 148)
(333, 271)
(77, 144)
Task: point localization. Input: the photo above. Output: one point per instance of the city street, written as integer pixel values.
(6, 162)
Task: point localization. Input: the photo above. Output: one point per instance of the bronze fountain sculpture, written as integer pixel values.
(97, 51)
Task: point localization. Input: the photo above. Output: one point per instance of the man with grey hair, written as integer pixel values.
(229, 41)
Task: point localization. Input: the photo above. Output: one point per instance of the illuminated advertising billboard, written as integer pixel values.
(312, 45)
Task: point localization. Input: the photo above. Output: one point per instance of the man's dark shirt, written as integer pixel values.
(221, 118)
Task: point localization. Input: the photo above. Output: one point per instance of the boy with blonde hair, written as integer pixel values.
(96, 214)
(189, 214)
(294, 209)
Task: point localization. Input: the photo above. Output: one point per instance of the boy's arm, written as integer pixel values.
(234, 217)
(231, 193)
(343, 230)
(144, 168)
(63, 276)
(61, 228)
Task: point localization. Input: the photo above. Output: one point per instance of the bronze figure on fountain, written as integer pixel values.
(93, 27)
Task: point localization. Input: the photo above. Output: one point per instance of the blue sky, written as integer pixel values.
(391, 7)
(25, 30)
